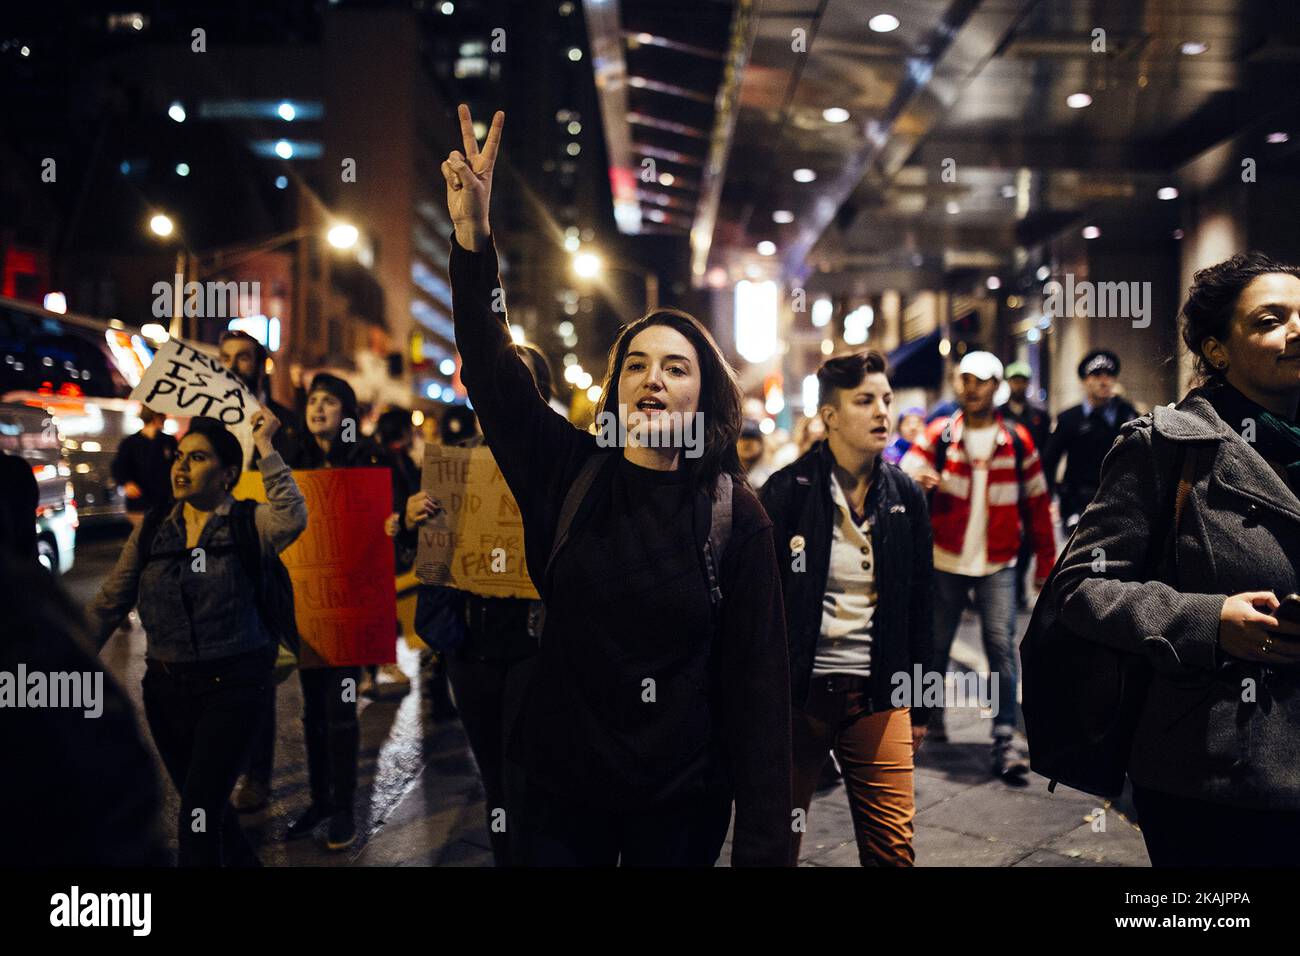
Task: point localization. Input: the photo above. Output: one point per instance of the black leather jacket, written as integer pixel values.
(798, 499)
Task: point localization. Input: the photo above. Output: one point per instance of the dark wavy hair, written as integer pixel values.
(719, 393)
(1213, 296)
(847, 372)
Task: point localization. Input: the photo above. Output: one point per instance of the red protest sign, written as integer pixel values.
(341, 566)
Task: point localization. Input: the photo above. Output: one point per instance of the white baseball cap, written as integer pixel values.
(983, 365)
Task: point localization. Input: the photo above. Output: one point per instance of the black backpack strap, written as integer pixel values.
(149, 525)
(719, 534)
(573, 500)
(243, 530)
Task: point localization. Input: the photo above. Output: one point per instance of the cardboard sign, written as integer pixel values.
(341, 566)
(476, 543)
(181, 380)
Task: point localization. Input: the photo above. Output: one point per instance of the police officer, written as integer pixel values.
(1085, 433)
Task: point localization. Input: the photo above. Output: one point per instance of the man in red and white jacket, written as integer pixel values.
(985, 474)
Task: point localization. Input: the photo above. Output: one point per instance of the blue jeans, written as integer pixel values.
(995, 597)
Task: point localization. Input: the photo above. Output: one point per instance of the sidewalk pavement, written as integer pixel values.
(965, 816)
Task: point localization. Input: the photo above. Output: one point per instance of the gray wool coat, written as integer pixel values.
(1212, 728)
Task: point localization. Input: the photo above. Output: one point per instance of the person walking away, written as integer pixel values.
(857, 587)
(987, 484)
(193, 569)
(142, 466)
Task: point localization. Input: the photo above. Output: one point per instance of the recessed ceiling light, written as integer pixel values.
(767, 248)
(994, 283)
(1166, 192)
(1008, 192)
(835, 114)
(883, 23)
(1193, 48)
(1091, 232)
(666, 179)
(1043, 272)
(783, 216)
(953, 207)
(1278, 137)
(1077, 101)
(804, 175)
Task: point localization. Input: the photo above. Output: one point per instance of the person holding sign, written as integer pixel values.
(661, 688)
(332, 439)
(210, 652)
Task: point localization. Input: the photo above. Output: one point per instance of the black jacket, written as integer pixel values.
(1200, 734)
(798, 499)
(1084, 441)
(1039, 425)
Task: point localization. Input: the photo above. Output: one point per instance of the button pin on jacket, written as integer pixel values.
(898, 509)
(797, 543)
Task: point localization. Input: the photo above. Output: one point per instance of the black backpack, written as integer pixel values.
(1081, 699)
(272, 586)
(719, 516)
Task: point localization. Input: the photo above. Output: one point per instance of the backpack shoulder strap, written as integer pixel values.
(573, 499)
(243, 528)
(149, 525)
(719, 534)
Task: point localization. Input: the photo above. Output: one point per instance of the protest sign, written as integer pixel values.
(181, 380)
(344, 595)
(476, 542)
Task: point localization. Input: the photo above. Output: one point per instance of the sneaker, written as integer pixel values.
(366, 686)
(252, 795)
(342, 831)
(392, 674)
(1008, 762)
(306, 824)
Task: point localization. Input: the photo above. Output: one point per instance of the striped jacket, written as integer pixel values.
(950, 505)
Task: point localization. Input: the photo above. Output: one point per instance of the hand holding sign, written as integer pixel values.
(181, 380)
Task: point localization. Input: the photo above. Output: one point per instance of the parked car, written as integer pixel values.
(33, 435)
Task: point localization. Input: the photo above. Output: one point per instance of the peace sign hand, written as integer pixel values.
(469, 180)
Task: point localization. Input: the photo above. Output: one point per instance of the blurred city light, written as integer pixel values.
(756, 320)
(587, 265)
(161, 225)
(343, 236)
(176, 112)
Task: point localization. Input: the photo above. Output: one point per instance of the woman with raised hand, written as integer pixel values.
(189, 568)
(662, 688)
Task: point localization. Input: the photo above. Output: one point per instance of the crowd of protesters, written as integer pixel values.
(717, 631)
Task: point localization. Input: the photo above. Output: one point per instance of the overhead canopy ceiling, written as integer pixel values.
(959, 145)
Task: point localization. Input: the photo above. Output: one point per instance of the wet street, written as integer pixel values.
(419, 802)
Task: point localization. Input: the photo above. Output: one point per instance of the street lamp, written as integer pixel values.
(589, 265)
(161, 225)
(342, 236)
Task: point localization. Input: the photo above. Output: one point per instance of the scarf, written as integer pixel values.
(1276, 439)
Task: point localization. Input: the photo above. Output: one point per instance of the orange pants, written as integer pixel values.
(875, 753)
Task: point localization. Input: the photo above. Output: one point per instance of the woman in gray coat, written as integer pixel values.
(1215, 763)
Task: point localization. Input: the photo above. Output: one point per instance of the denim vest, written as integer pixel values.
(198, 604)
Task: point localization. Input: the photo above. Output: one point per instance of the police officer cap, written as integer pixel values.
(1099, 361)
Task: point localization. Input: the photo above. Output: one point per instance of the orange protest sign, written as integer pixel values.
(341, 566)
(476, 543)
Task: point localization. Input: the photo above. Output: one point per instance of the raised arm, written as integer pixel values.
(284, 517)
(538, 450)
